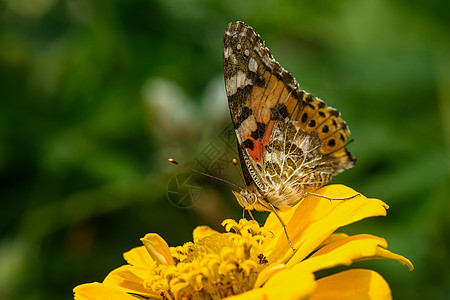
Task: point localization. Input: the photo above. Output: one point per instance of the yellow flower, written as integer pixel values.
(253, 262)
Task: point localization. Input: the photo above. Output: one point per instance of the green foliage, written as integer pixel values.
(95, 96)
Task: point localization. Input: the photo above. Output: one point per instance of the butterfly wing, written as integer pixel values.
(243, 77)
(274, 120)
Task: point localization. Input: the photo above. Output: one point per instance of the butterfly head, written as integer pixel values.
(250, 198)
(246, 198)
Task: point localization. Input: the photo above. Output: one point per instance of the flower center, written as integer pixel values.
(214, 267)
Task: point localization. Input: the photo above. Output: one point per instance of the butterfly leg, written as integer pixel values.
(249, 212)
(325, 197)
(282, 224)
(331, 198)
(251, 215)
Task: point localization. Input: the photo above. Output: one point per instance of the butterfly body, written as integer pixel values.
(292, 166)
(289, 142)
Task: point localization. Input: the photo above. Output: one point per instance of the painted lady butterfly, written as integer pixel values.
(290, 143)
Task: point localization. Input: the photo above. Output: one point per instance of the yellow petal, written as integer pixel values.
(138, 256)
(352, 284)
(315, 218)
(290, 284)
(201, 232)
(386, 254)
(332, 238)
(250, 295)
(331, 191)
(98, 291)
(286, 284)
(157, 248)
(130, 279)
(267, 273)
(343, 252)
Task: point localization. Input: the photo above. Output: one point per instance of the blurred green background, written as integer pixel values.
(96, 95)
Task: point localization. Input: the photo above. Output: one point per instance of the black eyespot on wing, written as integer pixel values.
(304, 117)
(310, 98)
(334, 112)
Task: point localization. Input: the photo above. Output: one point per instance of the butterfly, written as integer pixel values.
(290, 143)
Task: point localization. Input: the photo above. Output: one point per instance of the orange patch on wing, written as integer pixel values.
(277, 96)
(286, 98)
(268, 133)
(256, 95)
(293, 107)
(259, 95)
(263, 99)
(256, 153)
(260, 144)
(274, 97)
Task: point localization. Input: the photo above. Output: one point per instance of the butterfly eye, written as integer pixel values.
(251, 198)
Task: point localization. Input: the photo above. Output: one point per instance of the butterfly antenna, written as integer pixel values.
(210, 176)
(239, 170)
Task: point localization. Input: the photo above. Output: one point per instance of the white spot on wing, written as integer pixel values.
(227, 52)
(253, 65)
(237, 81)
(258, 50)
(233, 59)
(246, 52)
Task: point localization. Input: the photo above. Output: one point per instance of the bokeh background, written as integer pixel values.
(96, 95)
